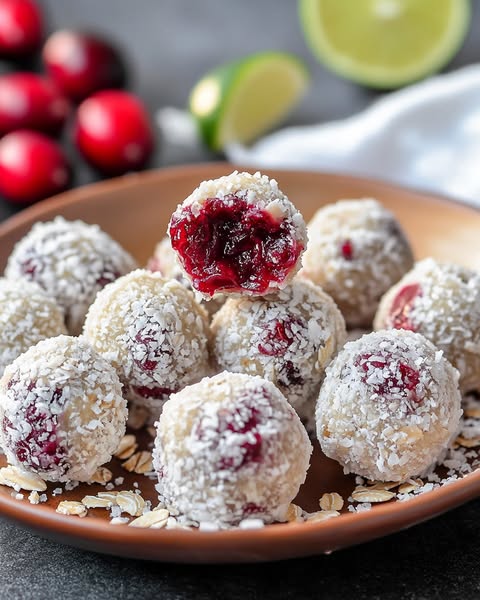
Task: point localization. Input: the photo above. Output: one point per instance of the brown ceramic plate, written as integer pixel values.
(135, 210)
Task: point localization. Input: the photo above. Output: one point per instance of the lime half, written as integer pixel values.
(241, 100)
(384, 43)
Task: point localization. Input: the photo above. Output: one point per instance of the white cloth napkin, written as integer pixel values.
(426, 136)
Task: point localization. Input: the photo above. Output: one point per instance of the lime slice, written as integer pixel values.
(384, 43)
(241, 100)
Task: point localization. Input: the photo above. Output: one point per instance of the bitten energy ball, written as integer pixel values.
(62, 414)
(238, 234)
(230, 448)
(287, 338)
(389, 406)
(27, 316)
(165, 261)
(71, 261)
(442, 302)
(356, 252)
(153, 332)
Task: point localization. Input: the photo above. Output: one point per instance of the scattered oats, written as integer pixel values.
(331, 501)
(372, 495)
(21, 480)
(131, 503)
(322, 515)
(294, 513)
(128, 445)
(34, 498)
(467, 442)
(102, 475)
(72, 508)
(137, 416)
(96, 502)
(110, 496)
(157, 518)
(140, 462)
(119, 521)
(251, 524)
(381, 485)
(410, 486)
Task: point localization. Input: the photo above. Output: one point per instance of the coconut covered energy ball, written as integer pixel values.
(153, 332)
(27, 315)
(389, 406)
(356, 252)
(71, 261)
(287, 338)
(165, 261)
(230, 448)
(62, 413)
(238, 234)
(442, 302)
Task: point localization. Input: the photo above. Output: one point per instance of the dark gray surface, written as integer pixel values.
(170, 44)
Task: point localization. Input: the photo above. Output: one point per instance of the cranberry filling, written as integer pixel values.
(403, 380)
(278, 336)
(108, 276)
(346, 249)
(250, 508)
(234, 245)
(402, 306)
(40, 447)
(148, 340)
(156, 393)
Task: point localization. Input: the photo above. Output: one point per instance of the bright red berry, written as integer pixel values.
(21, 28)
(82, 63)
(28, 101)
(32, 167)
(113, 132)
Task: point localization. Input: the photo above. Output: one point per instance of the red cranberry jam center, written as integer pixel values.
(402, 307)
(36, 442)
(233, 245)
(346, 249)
(389, 377)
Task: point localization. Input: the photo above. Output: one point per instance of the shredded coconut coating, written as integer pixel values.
(287, 338)
(153, 332)
(389, 406)
(71, 261)
(446, 310)
(257, 190)
(27, 316)
(228, 448)
(356, 252)
(165, 261)
(62, 413)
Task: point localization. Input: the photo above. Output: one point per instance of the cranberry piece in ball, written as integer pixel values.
(32, 167)
(28, 101)
(113, 132)
(82, 63)
(238, 234)
(21, 28)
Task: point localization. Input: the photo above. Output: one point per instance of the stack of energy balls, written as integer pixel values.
(236, 351)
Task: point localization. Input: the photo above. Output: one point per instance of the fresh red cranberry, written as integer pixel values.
(28, 101)
(32, 167)
(82, 63)
(113, 132)
(38, 446)
(405, 379)
(346, 249)
(402, 306)
(233, 245)
(21, 28)
(278, 336)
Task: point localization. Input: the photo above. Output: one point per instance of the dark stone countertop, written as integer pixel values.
(170, 44)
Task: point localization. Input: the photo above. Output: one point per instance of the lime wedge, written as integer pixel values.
(384, 43)
(241, 100)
